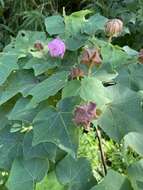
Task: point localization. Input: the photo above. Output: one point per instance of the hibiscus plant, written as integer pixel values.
(58, 83)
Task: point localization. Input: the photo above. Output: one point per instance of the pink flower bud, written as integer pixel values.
(57, 48)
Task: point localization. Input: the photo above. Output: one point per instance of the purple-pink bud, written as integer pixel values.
(57, 48)
(84, 114)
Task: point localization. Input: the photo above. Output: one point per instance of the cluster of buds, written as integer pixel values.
(113, 27)
(84, 114)
(91, 56)
(140, 57)
(76, 73)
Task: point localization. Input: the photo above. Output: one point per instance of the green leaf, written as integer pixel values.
(132, 77)
(47, 88)
(123, 114)
(41, 65)
(93, 90)
(50, 182)
(8, 63)
(56, 126)
(72, 88)
(43, 150)
(89, 89)
(95, 23)
(75, 22)
(135, 141)
(114, 56)
(24, 42)
(18, 82)
(4, 110)
(24, 174)
(135, 173)
(55, 25)
(9, 147)
(76, 174)
(19, 111)
(73, 43)
(114, 181)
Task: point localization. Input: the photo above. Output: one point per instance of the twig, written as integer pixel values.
(101, 150)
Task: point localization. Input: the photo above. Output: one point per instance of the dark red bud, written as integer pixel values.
(76, 72)
(38, 46)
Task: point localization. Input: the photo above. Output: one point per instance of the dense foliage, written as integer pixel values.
(69, 90)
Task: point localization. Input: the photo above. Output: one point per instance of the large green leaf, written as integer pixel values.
(76, 174)
(41, 65)
(47, 88)
(123, 114)
(55, 25)
(50, 182)
(135, 173)
(9, 147)
(18, 82)
(114, 181)
(19, 111)
(8, 63)
(114, 56)
(56, 126)
(75, 22)
(89, 89)
(4, 110)
(73, 43)
(24, 174)
(24, 42)
(94, 24)
(132, 77)
(135, 141)
(93, 90)
(72, 88)
(43, 150)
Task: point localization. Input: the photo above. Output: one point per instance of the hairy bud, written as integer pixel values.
(91, 56)
(113, 27)
(76, 72)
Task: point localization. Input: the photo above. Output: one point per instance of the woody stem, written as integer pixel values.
(103, 160)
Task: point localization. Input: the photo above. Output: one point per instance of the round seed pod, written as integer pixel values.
(113, 27)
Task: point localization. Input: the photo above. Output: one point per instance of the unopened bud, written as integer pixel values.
(91, 56)
(113, 27)
(38, 46)
(76, 72)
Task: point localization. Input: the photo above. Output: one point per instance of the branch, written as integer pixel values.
(101, 150)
